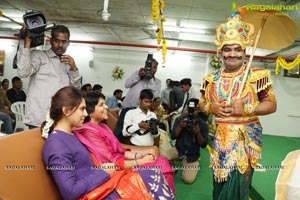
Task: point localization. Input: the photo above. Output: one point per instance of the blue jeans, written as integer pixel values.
(7, 123)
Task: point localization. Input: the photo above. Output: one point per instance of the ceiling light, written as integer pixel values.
(105, 15)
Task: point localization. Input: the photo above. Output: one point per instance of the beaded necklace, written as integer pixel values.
(228, 84)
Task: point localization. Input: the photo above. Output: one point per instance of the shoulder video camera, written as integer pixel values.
(148, 67)
(35, 24)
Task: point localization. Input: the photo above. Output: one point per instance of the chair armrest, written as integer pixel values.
(140, 149)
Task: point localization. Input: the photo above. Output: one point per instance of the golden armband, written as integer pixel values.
(249, 110)
(206, 108)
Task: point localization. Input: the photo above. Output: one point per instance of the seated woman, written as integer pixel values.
(105, 147)
(72, 168)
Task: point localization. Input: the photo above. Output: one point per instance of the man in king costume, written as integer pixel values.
(237, 143)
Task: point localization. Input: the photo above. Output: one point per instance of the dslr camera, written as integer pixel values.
(35, 24)
(153, 123)
(191, 120)
(148, 67)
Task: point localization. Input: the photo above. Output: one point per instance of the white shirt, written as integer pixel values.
(131, 120)
(193, 94)
(47, 75)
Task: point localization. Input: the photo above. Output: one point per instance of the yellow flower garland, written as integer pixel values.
(164, 50)
(157, 10)
(280, 61)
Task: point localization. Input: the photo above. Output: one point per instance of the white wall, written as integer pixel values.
(105, 60)
(10, 48)
(286, 121)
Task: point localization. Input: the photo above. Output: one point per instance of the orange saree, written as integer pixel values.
(127, 183)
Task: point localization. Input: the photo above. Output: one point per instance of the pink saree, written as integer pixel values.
(101, 142)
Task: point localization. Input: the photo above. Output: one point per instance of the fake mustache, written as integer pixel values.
(237, 57)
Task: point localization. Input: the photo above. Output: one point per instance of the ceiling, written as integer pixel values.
(189, 23)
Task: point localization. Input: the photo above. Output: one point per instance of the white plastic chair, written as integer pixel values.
(19, 109)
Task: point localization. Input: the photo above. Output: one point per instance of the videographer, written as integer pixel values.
(190, 133)
(140, 124)
(144, 78)
(48, 70)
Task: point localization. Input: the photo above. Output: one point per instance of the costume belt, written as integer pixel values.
(236, 120)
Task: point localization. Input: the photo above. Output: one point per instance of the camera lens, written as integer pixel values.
(34, 22)
(153, 126)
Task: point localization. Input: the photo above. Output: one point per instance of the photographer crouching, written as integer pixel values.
(190, 133)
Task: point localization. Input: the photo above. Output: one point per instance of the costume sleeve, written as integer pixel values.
(133, 79)
(28, 62)
(203, 101)
(267, 93)
(59, 161)
(262, 84)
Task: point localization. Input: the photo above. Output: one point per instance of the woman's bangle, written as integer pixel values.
(137, 164)
(135, 155)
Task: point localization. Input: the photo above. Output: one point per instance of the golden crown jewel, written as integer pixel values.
(234, 31)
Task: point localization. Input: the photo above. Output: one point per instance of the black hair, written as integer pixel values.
(60, 29)
(117, 91)
(4, 80)
(146, 94)
(15, 78)
(174, 83)
(69, 97)
(186, 81)
(91, 100)
(84, 87)
(156, 98)
(97, 87)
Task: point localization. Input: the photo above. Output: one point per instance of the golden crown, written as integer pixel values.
(234, 31)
